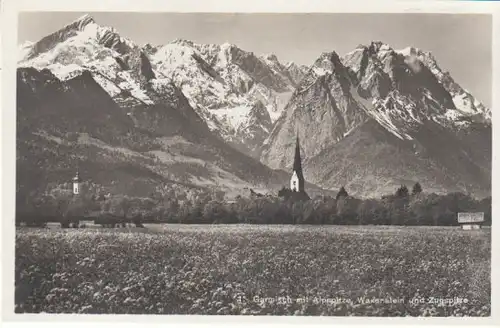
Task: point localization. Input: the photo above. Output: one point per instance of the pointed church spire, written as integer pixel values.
(297, 180)
(297, 163)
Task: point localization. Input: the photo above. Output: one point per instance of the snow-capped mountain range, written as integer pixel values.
(89, 98)
(352, 112)
(390, 97)
(237, 93)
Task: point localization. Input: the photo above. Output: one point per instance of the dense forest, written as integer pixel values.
(404, 207)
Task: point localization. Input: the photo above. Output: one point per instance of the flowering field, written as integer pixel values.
(255, 270)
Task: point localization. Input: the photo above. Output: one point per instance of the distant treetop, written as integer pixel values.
(417, 188)
(402, 191)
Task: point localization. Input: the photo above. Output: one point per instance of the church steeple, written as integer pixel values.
(297, 180)
(76, 184)
(297, 162)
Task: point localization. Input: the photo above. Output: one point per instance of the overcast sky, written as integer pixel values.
(461, 43)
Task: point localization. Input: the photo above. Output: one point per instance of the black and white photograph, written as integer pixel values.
(252, 163)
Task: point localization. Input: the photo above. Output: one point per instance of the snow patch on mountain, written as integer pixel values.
(320, 71)
(130, 85)
(108, 86)
(65, 72)
(464, 103)
(235, 116)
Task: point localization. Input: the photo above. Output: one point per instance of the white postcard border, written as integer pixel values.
(8, 21)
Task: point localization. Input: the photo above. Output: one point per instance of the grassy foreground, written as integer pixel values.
(255, 270)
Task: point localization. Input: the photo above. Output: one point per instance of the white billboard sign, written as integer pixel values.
(470, 217)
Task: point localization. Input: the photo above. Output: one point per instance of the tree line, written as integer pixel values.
(210, 207)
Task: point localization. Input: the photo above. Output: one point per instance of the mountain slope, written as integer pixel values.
(371, 161)
(65, 125)
(353, 112)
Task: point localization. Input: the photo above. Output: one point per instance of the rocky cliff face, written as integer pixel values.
(379, 117)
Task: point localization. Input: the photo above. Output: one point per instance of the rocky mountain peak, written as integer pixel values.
(327, 63)
(332, 57)
(50, 41)
(226, 46)
(377, 46)
(83, 32)
(149, 48)
(183, 42)
(83, 21)
(271, 57)
(410, 51)
(376, 100)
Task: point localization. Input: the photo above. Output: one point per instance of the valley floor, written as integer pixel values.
(255, 270)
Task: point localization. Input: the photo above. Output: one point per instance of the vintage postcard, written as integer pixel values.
(267, 161)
